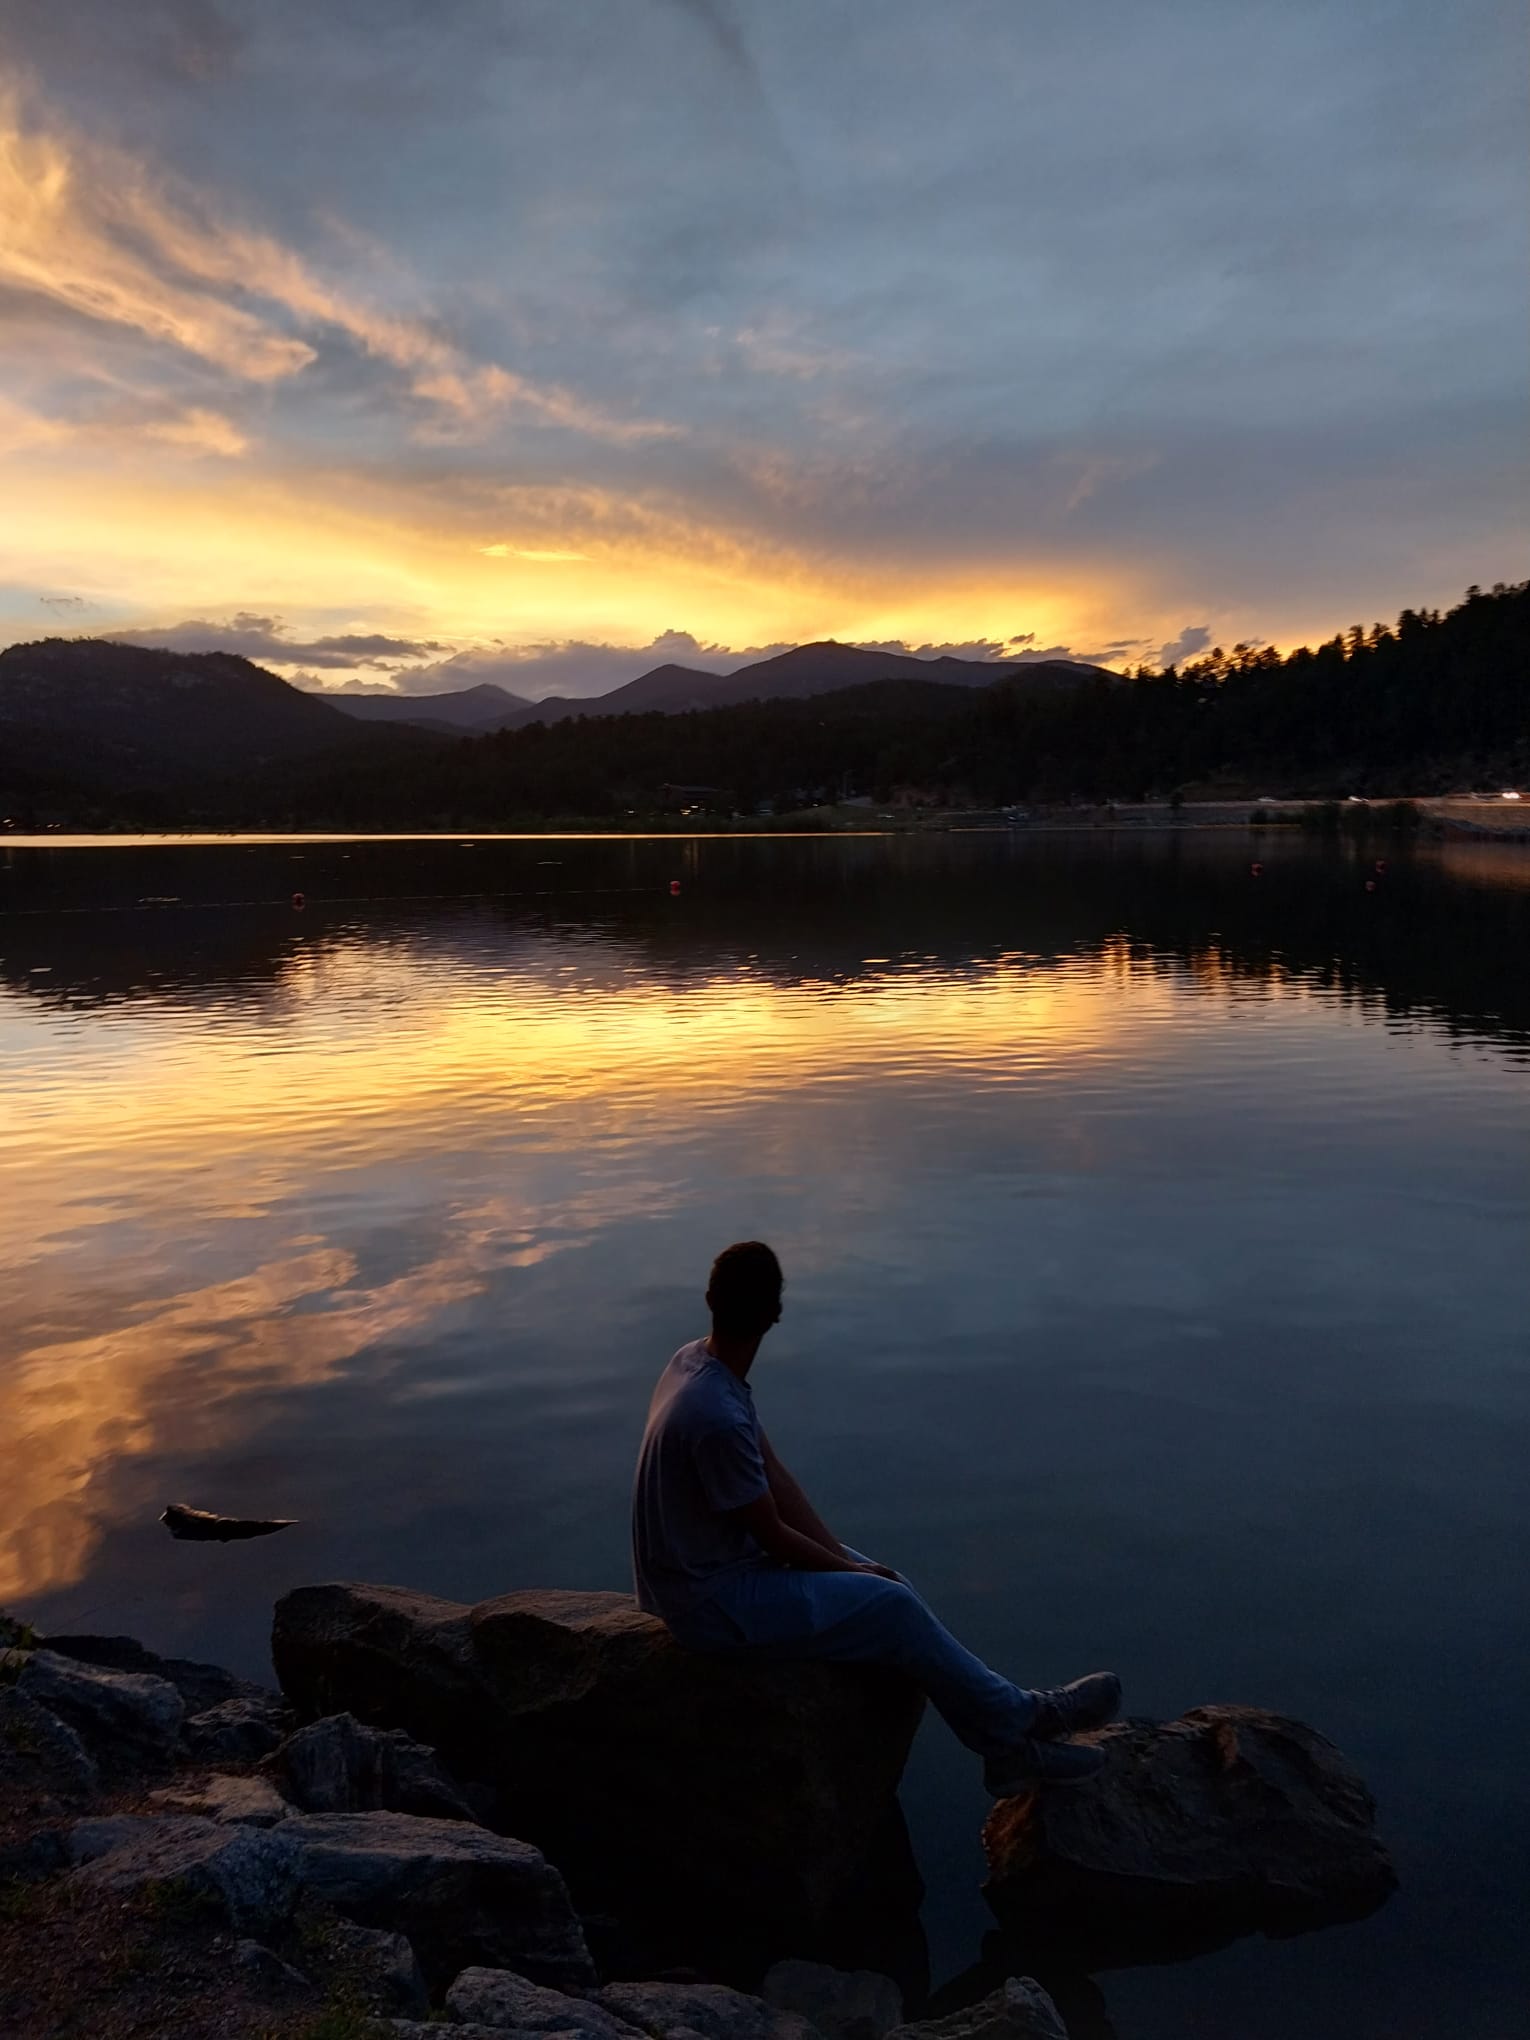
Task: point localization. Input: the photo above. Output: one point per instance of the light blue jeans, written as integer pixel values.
(774, 1613)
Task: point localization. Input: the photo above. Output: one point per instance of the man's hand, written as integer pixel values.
(883, 1572)
(764, 1523)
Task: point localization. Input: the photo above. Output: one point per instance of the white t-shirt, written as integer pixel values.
(700, 1458)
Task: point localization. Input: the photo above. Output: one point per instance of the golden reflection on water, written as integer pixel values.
(184, 1362)
(361, 1036)
(170, 1123)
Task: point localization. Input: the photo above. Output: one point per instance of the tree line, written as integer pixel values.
(1436, 701)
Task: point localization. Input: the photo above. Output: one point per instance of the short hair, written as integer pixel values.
(744, 1290)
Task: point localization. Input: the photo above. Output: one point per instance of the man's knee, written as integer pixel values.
(900, 1607)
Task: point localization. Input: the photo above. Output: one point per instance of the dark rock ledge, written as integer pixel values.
(667, 1787)
(503, 1812)
(1228, 1821)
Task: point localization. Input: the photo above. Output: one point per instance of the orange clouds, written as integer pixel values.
(86, 237)
(165, 338)
(85, 228)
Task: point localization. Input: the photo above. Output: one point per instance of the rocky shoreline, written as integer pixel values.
(539, 1815)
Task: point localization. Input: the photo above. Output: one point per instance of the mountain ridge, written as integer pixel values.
(86, 710)
(822, 667)
(461, 708)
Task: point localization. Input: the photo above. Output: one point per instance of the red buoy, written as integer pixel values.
(299, 902)
(1381, 864)
(1256, 871)
(674, 888)
(1370, 885)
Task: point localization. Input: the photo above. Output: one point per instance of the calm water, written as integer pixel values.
(1155, 1237)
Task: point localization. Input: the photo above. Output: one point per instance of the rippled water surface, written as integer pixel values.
(1156, 1243)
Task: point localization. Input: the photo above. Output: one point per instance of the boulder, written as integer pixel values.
(841, 2004)
(200, 1686)
(237, 1731)
(685, 1789)
(459, 1893)
(102, 1833)
(382, 1968)
(249, 1874)
(1225, 1822)
(503, 2000)
(339, 1766)
(42, 1754)
(237, 1802)
(266, 1971)
(128, 1721)
(1020, 2011)
(684, 2011)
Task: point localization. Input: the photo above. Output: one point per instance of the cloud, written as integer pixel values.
(200, 430)
(85, 235)
(93, 422)
(580, 668)
(526, 552)
(574, 666)
(792, 319)
(264, 639)
(1194, 638)
(84, 227)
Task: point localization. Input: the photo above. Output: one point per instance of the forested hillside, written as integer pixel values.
(1434, 702)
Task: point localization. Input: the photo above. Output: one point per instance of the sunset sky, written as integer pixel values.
(540, 340)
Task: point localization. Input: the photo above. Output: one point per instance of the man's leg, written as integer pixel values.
(859, 1618)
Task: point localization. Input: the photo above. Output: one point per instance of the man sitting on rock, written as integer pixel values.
(728, 1551)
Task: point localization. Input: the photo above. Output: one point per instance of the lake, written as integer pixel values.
(1156, 1248)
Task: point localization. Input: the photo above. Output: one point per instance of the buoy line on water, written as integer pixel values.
(300, 902)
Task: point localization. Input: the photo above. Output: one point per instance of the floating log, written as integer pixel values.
(201, 1526)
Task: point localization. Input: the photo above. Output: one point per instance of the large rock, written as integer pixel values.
(339, 1766)
(129, 1721)
(685, 1788)
(265, 1972)
(507, 2002)
(1224, 1822)
(684, 2011)
(200, 1686)
(460, 1894)
(102, 1833)
(249, 1874)
(238, 1731)
(1020, 2011)
(841, 2004)
(380, 1968)
(42, 1755)
(236, 1802)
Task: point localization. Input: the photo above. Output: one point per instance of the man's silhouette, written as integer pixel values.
(730, 1553)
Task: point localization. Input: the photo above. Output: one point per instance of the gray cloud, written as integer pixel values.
(574, 666)
(566, 666)
(264, 639)
(1193, 639)
(577, 667)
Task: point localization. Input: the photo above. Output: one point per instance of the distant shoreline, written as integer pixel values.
(1482, 820)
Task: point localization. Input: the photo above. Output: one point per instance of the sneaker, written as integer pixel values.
(1034, 1763)
(1088, 1703)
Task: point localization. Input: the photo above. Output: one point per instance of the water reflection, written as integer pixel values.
(1154, 1236)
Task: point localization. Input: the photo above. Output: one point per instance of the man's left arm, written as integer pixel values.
(793, 1506)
